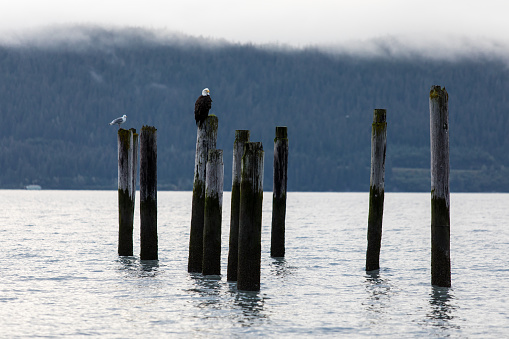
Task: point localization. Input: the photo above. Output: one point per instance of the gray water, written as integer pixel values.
(60, 274)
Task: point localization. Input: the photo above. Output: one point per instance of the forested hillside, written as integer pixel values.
(56, 102)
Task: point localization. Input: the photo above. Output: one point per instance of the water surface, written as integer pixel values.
(61, 276)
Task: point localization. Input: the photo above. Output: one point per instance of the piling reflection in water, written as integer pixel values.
(279, 267)
(442, 308)
(246, 308)
(133, 267)
(379, 296)
(127, 264)
(208, 289)
(149, 268)
(251, 303)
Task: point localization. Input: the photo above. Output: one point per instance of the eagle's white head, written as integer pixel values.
(205, 92)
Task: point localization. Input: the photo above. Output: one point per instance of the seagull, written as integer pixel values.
(119, 121)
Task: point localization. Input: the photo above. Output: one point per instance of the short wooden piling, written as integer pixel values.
(440, 216)
(148, 194)
(206, 139)
(125, 193)
(376, 189)
(250, 222)
(213, 213)
(277, 243)
(241, 137)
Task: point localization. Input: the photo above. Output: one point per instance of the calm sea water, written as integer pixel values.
(60, 274)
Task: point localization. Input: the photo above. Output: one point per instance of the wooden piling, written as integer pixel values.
(376, 189)
(213, 213)
(125, 193)
(134, 160)
(277, 244)
(241, 137)
(250, 221)
(148, 194)
(440, 216)
(206, 139)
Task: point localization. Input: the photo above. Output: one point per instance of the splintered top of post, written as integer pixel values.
(253, 146)
(379, 115)
(150, 129)
(124, 137)
(281, 132)
(215, 155)
(242, 135)
(252, 166)
(253, 149)
(438, 92)
(213, 121)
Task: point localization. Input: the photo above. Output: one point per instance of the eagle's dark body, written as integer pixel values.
(201, 108)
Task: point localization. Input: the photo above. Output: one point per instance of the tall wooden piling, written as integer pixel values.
(250, 222)
(213, 213)
(277, 243)
(440, 217)
(148, 193)
(206, 139)
(134, 160)
(376, 189)
(125, 193)
(241, 137)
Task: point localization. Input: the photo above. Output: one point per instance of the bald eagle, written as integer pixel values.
(202, 106)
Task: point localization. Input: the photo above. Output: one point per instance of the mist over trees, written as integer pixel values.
(56, 102)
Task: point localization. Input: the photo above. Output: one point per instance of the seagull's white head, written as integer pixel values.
(205, 92)
(124, 116)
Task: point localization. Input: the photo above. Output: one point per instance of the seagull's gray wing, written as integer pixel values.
(117, 121)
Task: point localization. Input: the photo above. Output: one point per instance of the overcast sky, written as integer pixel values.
(297, 23)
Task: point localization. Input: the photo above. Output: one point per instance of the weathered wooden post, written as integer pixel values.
(133, 158)
(148, 193)
(376, 189)
(250, 225)
(440, 217)
(241, 137)
(125, 193)
(277, 243)
(206, 139)
(213, 213)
